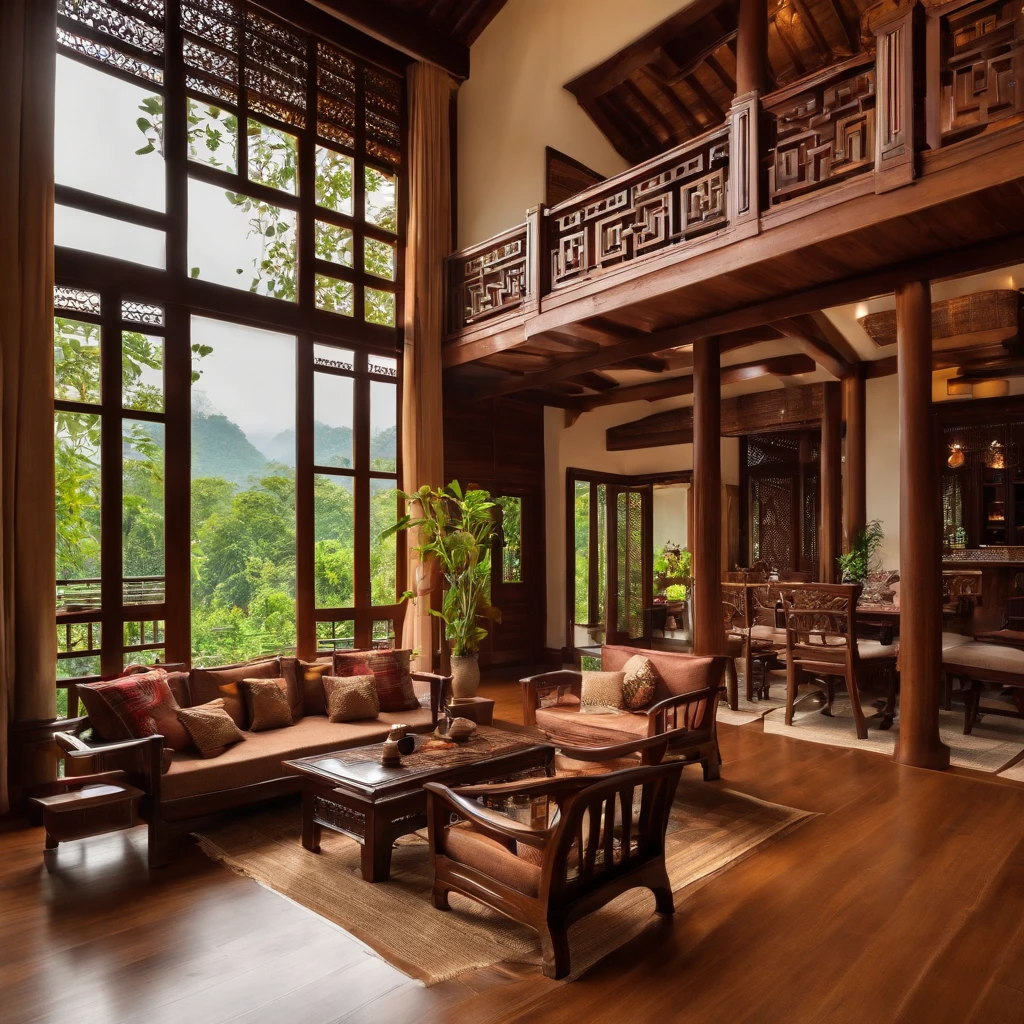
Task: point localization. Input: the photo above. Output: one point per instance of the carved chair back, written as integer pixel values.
(820, 626)
(961, 591)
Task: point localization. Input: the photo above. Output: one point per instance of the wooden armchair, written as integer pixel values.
(822, 643)
(685, 701)
(1011, 632)
(595, 837)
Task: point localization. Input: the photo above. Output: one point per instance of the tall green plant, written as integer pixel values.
(456, 529)
(862, 557)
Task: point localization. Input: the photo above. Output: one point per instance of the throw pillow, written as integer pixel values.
(212, 729)
(207, 684)
(390, 671)
(350, 698)
(133, 707)
(602, 689)
(640, 678)
(311, 682)
(266, 703)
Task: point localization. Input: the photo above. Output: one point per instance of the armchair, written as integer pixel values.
(604, 835)
(685, 700)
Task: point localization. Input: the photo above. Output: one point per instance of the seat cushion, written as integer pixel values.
(870, 650)
(566, 723)
(951, 640)
(488, 856)
(259, 758)
(768, 633)
(677, 673)
(980, 657)
(998, 636)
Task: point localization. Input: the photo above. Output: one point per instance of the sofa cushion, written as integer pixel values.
(602, 689)
(390, 670)
(980, 657)
(311, 681)
(259, 758)
(466, 846)
(639, 682)
(565, 722)
(267, 703)
(207, 684)
(133, 707)
(677, 673)
(211, 728)
(351, 698)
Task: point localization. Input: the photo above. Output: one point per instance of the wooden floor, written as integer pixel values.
(903, 902)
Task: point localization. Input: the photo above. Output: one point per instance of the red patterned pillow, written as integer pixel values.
(390, 671)
(144, 706)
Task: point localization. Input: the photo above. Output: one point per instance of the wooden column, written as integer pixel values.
(708, 629)
(830, 493)
(855, 512)
(752, 47)
(920, 537)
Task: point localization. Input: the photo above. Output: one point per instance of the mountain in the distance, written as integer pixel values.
(220, 448)
(333, 445)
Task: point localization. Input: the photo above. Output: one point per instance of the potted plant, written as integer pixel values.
(862, 557)
(675, 598)
(456, 530)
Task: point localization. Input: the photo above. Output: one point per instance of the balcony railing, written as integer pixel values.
(853, 128)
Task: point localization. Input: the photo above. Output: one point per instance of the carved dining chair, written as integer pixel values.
(822, 644)
(596, 837)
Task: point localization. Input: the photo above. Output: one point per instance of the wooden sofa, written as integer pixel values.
(193, 790)
(685, 699)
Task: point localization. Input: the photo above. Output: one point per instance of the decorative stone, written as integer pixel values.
(461, 729)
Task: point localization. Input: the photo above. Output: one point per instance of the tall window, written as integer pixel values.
(229, 228)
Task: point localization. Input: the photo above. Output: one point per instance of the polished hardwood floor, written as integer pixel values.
(903, 901)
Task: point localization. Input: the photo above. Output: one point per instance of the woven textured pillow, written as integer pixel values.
(351, 698)
(640, 678)
(133, 707)
(266, 703)
(209, 684)
(390, 671)
(602, 689)
(212, 729)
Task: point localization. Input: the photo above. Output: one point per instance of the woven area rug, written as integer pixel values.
(994, 742)
(711, 829)
(1016, 773)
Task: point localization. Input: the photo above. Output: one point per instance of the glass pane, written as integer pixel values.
(379, 307)
(333, 180)
(333, 244)
(273, 157)
(581, 527)
(383, 427)
(149, 656)
(511, 538)
(336, 636)
(379, 258)
(76, 361)
(335, 296)
(77, 477)
(107, 136)
(381, 198)
(240, 242)
(384, 512)
(338, 358)
(142, 372)
(243, 493)
(142, 511)
(332, 420)
(334, 539)
(78, 652)
(105, 236)
(212, 135)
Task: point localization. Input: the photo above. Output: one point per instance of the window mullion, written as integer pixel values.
(111, 555)
(361, 444)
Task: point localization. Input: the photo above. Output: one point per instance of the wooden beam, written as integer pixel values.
(681, 109)
(849, 30)
(855, 513)
(830, 333)
(813, 30)
(596, 381)
(474, 19)
(716, 112)
(815, 347)
(404, 31)
(918, 743)
(726, 79)
(791, 51)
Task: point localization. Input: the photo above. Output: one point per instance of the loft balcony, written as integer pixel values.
(904, 160)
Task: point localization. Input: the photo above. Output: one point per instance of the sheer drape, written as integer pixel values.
(429, 242)
(27, 633)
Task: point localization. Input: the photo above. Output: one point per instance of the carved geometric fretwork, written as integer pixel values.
(493, 280)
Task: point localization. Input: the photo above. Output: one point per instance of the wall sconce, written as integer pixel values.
(956, 457)
(995, 457)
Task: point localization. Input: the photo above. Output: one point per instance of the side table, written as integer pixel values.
(97, 807)
(476, 709)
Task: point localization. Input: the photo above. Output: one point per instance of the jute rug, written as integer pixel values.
(711, 829)
(993, 743)
(1016, 772)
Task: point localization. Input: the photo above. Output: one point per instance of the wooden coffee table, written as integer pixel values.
(351, 792)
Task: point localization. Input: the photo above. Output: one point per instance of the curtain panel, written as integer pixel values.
(428, 243)
(28, 637)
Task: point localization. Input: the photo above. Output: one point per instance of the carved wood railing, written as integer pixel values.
(821, 129)
(669, 199)
(975, 55)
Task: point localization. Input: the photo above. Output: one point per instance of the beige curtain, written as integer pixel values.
(27, 634)
(428, 243)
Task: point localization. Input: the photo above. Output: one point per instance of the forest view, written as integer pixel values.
(243, 486)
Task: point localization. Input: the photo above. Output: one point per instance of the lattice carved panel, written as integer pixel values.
(822, 135)
(982, 66)
(772, 514)
(491, 281)
(682, 196)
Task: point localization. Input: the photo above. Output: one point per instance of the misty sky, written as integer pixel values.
(250, 377)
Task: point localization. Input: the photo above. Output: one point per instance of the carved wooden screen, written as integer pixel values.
(629, 560)
(771, 509)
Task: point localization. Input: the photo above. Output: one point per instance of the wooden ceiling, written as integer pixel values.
(461, 20)
(679, 80)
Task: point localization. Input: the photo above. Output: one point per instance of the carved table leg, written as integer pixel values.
(310, 829)
(375, 857)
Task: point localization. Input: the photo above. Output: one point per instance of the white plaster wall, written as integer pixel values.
(670, 515)
(514, 103)
(582, 446)
(883, 465)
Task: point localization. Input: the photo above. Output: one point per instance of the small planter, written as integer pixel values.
(465, 676)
